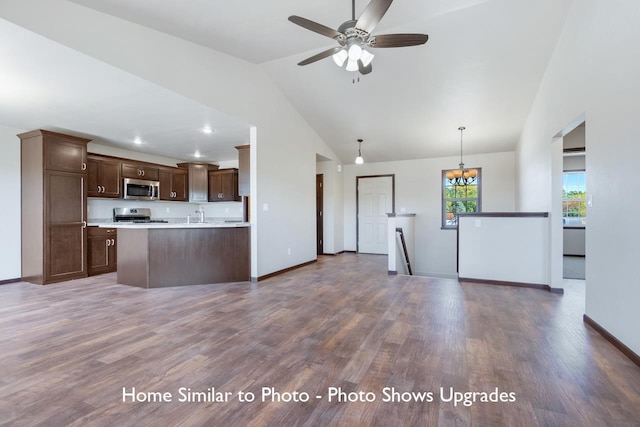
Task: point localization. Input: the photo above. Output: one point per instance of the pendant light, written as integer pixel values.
(359, 159)
(462, 176)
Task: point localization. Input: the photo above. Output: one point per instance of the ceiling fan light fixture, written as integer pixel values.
(352, 65)
(340, 57)
(356, 34)
(355, 52)
(366, 57)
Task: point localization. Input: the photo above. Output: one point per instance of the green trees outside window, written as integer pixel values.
(574, 198)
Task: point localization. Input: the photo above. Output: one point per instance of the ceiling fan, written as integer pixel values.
(354, 35)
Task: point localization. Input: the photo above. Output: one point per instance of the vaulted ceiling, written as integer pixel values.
(481, 68)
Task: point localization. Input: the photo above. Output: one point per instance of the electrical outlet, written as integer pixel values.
(168, 210)
(288, 251)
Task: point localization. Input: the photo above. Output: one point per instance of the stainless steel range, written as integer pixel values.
(134, 215)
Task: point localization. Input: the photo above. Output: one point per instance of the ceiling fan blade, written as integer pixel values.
(320, 56)
(362, 69)
(373, 13)
(398, 40)
(314, 26)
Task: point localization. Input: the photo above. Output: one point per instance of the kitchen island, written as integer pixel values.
(156, 255)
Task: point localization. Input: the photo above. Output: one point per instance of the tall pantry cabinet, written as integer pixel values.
(54, 209)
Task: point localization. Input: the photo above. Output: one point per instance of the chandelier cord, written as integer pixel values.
(461, 129)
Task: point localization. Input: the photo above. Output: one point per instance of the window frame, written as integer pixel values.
(443, 201)
(582, 200)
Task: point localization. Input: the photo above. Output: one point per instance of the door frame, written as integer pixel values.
(393, 200)
(319, 214)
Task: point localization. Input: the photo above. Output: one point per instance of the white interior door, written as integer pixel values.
(375, 200)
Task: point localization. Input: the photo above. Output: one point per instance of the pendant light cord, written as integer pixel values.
(353, 10)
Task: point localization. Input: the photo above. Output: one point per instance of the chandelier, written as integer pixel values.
(462, 176)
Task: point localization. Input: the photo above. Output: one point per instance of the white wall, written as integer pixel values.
(513, 249)
(285, 152)
(10, 213)
(575, 138)
(574, 163)
(418, 190)
(594, 73)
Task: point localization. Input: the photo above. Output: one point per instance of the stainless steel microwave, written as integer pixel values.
(140, 189)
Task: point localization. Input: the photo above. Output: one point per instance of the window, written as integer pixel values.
(459, 199)
(574, 199)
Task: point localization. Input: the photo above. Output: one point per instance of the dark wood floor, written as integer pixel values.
(68, 349)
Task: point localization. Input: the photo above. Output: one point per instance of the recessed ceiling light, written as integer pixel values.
(207, 130)
(196, 154)
(137, 141)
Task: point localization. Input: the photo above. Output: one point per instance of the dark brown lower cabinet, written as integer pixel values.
(102, 253)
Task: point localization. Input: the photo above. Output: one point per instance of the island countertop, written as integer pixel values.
(156, 255)
(157, 225)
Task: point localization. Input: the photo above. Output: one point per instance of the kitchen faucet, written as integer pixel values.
(200, 213)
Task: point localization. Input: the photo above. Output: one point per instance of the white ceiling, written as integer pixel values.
(480, 68)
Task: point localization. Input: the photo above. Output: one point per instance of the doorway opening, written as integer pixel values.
(319, 218)
(574, 204)
(375, 198)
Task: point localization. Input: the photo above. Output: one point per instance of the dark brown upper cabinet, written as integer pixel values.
(174, 184)
(198, 180)
(223, 185)
(139, 170)
(103, 177)
(53, 205)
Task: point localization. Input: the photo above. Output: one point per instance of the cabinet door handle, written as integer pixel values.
(102, 189)
(142, 173)
(98, 189)
(113, 242)
(108, 242)
(84, 224)
(84, 166)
